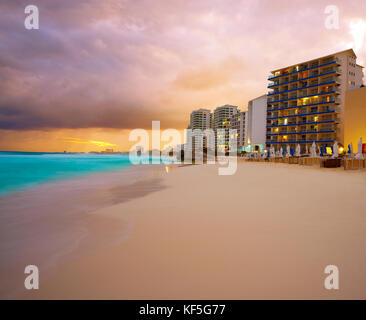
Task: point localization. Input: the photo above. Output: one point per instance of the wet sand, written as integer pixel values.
(266, 232)
(53, 223)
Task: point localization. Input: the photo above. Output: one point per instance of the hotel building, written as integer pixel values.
(200, 120)
(239, 122)
(256, 128)
(222, 117)
(306, 101)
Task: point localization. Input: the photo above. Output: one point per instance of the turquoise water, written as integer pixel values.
(19, 170)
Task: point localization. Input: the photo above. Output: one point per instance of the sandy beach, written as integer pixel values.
(52, 223)
(266, 232)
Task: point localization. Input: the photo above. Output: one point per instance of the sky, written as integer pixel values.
(95, 70)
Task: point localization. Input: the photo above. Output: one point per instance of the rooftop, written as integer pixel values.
(327, 56)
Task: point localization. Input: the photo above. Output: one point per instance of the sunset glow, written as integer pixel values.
(100, 69)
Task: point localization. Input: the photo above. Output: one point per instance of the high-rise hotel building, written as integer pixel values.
(222, 117)
(225, 118)
(239, 122)
(200, 120)
(306, 101)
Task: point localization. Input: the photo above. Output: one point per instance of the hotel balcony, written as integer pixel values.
(322, 83)
(305, 67)
(304, 77)
(303, 139)
(301, 110)
(321, 102)
(314, 118)
(300, 96)
(304, 119)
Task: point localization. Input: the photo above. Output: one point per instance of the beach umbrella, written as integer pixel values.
(288, 151)
(272, 152)
(321, 151)
(298, 150)
(335, 150)
(350, 148)
(359, 149)
(313, 150)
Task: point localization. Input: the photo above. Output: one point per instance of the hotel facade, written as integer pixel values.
(256, 124)
(222, 117)
(306, 101)
(200, 120)
(239, 122)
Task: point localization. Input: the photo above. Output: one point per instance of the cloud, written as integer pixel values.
(122, 64)
(210, 76)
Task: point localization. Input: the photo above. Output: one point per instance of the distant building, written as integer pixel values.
(200, 120)
(221, 120)
(224, 117)
(239, 122)
(306, 103)
(257, 119)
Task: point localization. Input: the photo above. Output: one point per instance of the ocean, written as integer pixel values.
(47, 203)
(21, 170)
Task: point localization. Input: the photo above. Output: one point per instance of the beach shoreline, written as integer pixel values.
(53, 223)
(266, 232)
